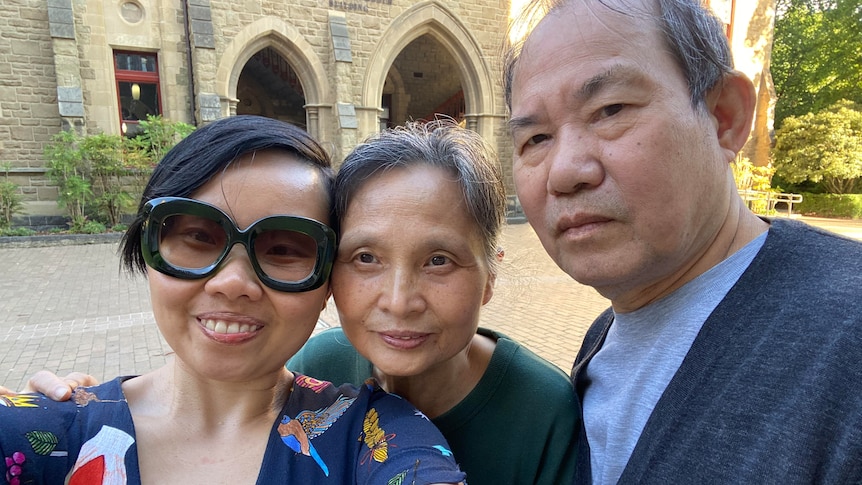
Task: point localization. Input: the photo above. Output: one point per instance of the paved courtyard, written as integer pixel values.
(71, 308)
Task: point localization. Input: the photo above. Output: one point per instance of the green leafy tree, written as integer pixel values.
(754, 184)
(138, 166)
(143, 152)
(749, 177)
(816, 56)
(160, 135)
(823, 147)
(102, 175)
(106, 158)
(69, 171)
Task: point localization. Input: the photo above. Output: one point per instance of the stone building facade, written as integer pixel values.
(342, 69)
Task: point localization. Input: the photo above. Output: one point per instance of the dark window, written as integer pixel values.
(137, 76)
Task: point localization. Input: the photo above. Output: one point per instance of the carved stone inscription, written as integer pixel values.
(356, 5)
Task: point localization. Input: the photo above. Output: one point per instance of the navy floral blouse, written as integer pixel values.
(325, 434)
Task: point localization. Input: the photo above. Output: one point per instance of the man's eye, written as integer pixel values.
(611, 109)
(536, 139)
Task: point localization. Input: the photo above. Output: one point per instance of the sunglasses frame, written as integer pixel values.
(158, 209)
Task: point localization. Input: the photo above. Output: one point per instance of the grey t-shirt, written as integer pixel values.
(640, 356)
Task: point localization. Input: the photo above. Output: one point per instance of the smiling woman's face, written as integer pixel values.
(411, 274)
(230, 326)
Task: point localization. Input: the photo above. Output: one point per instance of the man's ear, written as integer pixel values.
(731, 104)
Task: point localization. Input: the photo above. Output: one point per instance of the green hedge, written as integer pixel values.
(845, 206)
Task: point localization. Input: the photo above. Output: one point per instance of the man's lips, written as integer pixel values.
(580, 225)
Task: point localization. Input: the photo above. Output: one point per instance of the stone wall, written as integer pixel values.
(56, 66)
(28, 99)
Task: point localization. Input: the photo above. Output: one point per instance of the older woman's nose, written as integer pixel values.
(401, 294)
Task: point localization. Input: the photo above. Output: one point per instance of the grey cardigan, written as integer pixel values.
(771, 389)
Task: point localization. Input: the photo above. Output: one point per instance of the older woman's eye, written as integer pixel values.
(438, 260)
(366, 258)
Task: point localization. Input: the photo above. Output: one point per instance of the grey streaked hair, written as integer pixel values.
(695, 37)
(439, 143)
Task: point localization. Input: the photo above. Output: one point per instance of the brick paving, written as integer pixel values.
(70, 308)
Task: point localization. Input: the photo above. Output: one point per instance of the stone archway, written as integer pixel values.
(393, 88)
(288, 43)
(433, 19)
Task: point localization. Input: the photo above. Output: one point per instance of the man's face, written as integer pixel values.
(622, 178)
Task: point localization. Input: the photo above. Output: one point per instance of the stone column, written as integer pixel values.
(206, 104)
(345, 109)
(67, 65)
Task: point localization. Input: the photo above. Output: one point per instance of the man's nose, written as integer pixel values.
(574, 163)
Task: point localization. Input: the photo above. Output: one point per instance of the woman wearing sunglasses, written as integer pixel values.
(420, 209)
(232, 234)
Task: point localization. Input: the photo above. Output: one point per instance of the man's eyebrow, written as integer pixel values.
(614, 76)
(520, 122)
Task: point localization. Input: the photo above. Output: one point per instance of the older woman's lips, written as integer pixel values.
(403, 340)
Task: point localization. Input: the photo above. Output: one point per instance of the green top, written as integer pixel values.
(518, 425)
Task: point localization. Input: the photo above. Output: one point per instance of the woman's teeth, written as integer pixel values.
(220, 326)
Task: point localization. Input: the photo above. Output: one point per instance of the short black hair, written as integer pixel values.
(208, 151)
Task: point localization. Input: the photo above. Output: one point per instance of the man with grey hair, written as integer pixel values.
(732, 350)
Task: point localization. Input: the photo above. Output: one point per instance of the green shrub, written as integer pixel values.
(749, 177)
(10, 202)
(100, 177)
(105, 157)
(823, 147)
(755, 182)
(94, 227)
(159, 135)
(845, 206)
(68, 169)
(10, 198)
(16, 231)
(82, 225)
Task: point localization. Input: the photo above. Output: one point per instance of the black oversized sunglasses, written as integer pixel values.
(190, 239)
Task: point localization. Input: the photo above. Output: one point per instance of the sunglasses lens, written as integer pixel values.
(191, 242)
(285, 255)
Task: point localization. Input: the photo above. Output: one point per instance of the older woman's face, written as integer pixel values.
(229, 326)
(411, 274)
